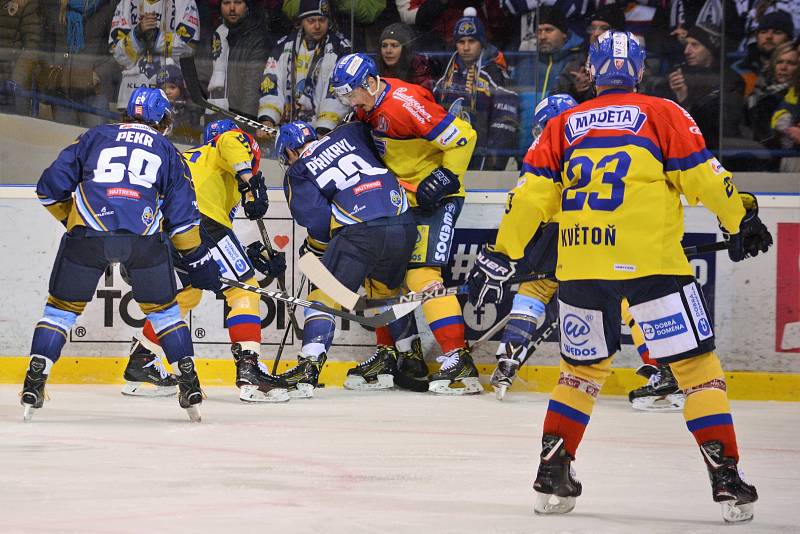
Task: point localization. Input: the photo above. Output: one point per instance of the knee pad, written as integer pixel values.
(164, 319)
(541, 290)
(239, 299)
(63, 319)
(188, 298)
(595, 373)
(378, 290)
(424, 278)
(699, 373)
(317, 295)
(66, 305)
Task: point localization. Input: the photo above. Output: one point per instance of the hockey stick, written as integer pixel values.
(374, 321)
(189, 71)
(489, 334)
(291, 308)
(262, 229)
(703, 249)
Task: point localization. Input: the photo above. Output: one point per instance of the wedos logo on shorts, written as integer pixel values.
(576, 330)
(670, 326)
(628, 118)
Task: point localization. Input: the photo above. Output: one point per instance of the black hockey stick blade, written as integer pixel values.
(189, 71)
(373, 321)
(703, 249)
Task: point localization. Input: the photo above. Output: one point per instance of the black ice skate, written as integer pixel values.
(376, 372)
(412, 363)
(303, 378)
(727, 485)
(190, 395)
(254, 381)
(145, 375)
(661, 394)
(457, 375)
(556, 486)
(33, 395)
(507, 365)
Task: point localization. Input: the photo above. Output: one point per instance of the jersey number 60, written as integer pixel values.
(141, 168)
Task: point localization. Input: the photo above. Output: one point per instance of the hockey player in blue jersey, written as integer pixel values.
(358, 223)
(122, 190)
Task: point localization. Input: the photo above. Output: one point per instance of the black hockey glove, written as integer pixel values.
(488, 276)
(310, 248)
(439, 184)
(255, 203)
(202, 269)
(753, 236)
(273, 267)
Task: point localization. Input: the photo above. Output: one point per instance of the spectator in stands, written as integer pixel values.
(695, 85)
(187, 116)
(145, 34)
(774, 28)
(435, 20)
(397, 58)
(753, 10)
(239, 50)
(364, 14)
(20, 41)
(473, 88)
(80, 68)
(536, 75)
(521, 27)
(786, 119)
(296, 80)
(574, 79)
(771, 88)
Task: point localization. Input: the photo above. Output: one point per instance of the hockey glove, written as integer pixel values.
(439, 184)
(753, 236)
(311, 248)
(254, 197)
(202, 269)
(273, 267)
(488, 276)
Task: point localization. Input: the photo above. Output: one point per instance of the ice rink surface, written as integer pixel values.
(95, 461)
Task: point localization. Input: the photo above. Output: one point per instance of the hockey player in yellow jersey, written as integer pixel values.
(613, 170)
(225, 173)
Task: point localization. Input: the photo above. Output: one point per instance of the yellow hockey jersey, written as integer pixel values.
(612, 169)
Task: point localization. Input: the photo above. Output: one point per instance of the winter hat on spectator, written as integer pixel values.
(402, 33)
(470, 26)
(708, 37)
(612, 14)
(777, 20)
(172, 74)
(551, 15)
(313, 8)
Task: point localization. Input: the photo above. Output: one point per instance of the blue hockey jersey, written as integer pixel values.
(339, 180)
(121, 177)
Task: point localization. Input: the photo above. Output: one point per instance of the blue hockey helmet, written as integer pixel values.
(616, 59)
(214, 128)
(351, 72)
(550, 107)
(148, 105)
(293, 136)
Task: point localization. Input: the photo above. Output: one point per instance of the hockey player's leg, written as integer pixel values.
(568, 413)
(708, 417)
(49, 338)
(243, 322)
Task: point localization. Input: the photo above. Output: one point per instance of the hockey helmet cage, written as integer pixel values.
(616, 59)
(214, 128)
(293, 136)
(352, 71)
(149, 105)
(550, 107)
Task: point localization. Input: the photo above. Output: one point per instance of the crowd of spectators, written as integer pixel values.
(732, 64)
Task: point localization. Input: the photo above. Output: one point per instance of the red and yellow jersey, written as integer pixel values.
(612, 169)
(415, 135)
(215, 167)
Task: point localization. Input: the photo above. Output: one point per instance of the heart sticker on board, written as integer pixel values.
(281, 241)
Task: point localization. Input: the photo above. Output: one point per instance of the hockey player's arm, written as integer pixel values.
(179, 206)
(59, 181)
(456, 139)
(309, 208)
(124, 45)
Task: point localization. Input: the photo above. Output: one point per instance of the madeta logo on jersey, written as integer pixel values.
(606, 118)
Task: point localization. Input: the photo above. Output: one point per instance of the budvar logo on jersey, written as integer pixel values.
(664, 327)
(628, 118)
(411, 105)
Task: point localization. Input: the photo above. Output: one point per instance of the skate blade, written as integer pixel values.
(143, 389)
(500, 391)
(302, 391)
(469, 385)
(194, 414)
(733, 513)
(251, 393)
(669, 403)
(357, 383)
(553, 504)
(27, 414)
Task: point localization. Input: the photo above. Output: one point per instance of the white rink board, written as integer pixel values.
(744, 304)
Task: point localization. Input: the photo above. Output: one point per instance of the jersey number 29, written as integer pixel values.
(141, 168)
(348, 171)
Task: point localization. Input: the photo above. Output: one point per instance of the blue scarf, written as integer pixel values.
(77, 10)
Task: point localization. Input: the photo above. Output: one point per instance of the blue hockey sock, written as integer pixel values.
(317, 333)
(50, 334)
(526, 314)
(173, 334)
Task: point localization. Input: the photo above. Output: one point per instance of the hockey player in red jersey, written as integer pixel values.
(613, 170)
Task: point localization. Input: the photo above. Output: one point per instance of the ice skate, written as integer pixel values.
(661, 394)
(254, 381)
(508, 363)
(727, 484)
(190, 395)
(457, 376)
(376, 372)
(33, 395)
(303, 378)
(556, 486)
(145, 375)
(412, 363)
